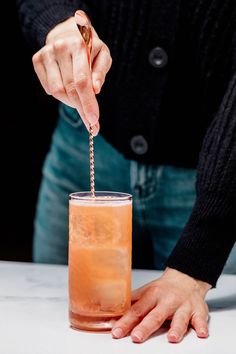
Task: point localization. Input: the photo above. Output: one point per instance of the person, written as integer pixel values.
(166, 113)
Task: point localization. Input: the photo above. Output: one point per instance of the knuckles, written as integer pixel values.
(46, 53)
(54, 50)
(136, 312)
(57, 90)
(60, 45)
(71, 89)
(57, 47)
(171, 299)
(156, 319)
(77, 42)
(81, 81)
(67, 44)
(36, 59)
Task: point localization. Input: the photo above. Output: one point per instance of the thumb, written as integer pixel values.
(81, 18)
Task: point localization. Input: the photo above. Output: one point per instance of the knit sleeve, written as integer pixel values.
(210, 232)
(37, 18)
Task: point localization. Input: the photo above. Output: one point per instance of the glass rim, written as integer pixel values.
(99, 196)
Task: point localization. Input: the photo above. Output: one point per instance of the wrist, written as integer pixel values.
(186, 280)
(203, 286)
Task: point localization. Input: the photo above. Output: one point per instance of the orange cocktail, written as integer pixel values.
(99, 258)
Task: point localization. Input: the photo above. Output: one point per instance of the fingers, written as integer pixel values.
(181, 320)
(183, 317)
(64, 72)
(65, 65)
(49, 74)
(101, 65)
(54, 68)
(179, 325)
(83, 85)
(41, 72)
(137, 312)
(53, 75)
(199, 322)
(150, 324)
(173, 296)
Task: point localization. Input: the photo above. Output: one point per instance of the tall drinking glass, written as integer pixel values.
(100, 231)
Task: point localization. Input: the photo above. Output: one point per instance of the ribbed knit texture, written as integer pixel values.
(210, 232)
(183, 110)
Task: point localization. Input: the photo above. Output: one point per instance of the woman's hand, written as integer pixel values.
(64, 72)
(174, 296)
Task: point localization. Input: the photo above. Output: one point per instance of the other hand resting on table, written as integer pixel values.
(176, 297)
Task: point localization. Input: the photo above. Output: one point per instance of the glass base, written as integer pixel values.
(92, 323)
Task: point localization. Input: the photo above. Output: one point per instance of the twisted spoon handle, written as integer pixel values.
(85, 28)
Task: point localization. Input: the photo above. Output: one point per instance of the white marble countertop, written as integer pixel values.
(33, 317)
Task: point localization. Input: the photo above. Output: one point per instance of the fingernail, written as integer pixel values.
(202, 332)
(117, 332)
(173, 336)
(137, 335)
(93, 118)
(96, 128)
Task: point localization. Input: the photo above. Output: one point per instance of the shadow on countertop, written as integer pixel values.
(226, 302)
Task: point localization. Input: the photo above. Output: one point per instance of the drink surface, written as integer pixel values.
(100, 257)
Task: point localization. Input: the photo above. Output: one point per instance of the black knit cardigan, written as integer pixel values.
(185, 111)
